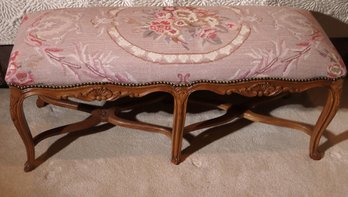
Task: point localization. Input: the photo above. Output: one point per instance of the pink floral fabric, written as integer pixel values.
(184, 24)
(172, 44)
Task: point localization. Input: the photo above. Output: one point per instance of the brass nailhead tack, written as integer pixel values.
(171, 83)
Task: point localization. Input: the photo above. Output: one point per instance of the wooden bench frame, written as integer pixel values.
(59, 95)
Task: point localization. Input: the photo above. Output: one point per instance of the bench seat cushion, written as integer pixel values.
(170, 44)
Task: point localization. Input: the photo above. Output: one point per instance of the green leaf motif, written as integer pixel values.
(216, 40)
(186, 47)
(167, 39)
(147, 33)
(222, 28)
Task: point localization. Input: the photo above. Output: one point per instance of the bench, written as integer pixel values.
(109, 53)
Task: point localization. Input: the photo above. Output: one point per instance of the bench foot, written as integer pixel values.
(316, 155)
(176, 160)
(29, 166)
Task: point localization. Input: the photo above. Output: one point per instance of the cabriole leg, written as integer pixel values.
(329, 111)
(179, 115)
(20, 122)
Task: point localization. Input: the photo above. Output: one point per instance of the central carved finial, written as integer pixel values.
(99, 93)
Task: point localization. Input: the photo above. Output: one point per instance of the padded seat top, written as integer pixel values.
(170, 44)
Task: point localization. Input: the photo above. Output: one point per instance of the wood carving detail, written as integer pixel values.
(100, 93)
(182, 93)
(97, 93)
(13, 102)
(262, 89)
(337, 86)
(15, 98)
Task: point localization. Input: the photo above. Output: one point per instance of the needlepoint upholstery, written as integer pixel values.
(170, 44)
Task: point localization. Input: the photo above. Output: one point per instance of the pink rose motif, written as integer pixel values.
(15, 74)
(335, 70)
(231, 25)
(24, 77)
(160, 26)
(163, 15)
(208, 34)
(173, 32)
(182, 25)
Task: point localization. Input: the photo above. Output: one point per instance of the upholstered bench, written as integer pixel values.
(108, 53)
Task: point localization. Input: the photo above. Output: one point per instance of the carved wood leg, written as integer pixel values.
(179, 116)
(40, 102)
(329, 111)
(20, 122)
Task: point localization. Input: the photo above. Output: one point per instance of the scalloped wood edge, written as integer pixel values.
(111, 92)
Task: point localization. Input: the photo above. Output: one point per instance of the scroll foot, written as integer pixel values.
(176, 160)
(28, 166)
(316, 155)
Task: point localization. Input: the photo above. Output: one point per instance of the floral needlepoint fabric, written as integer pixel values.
(171, 44)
